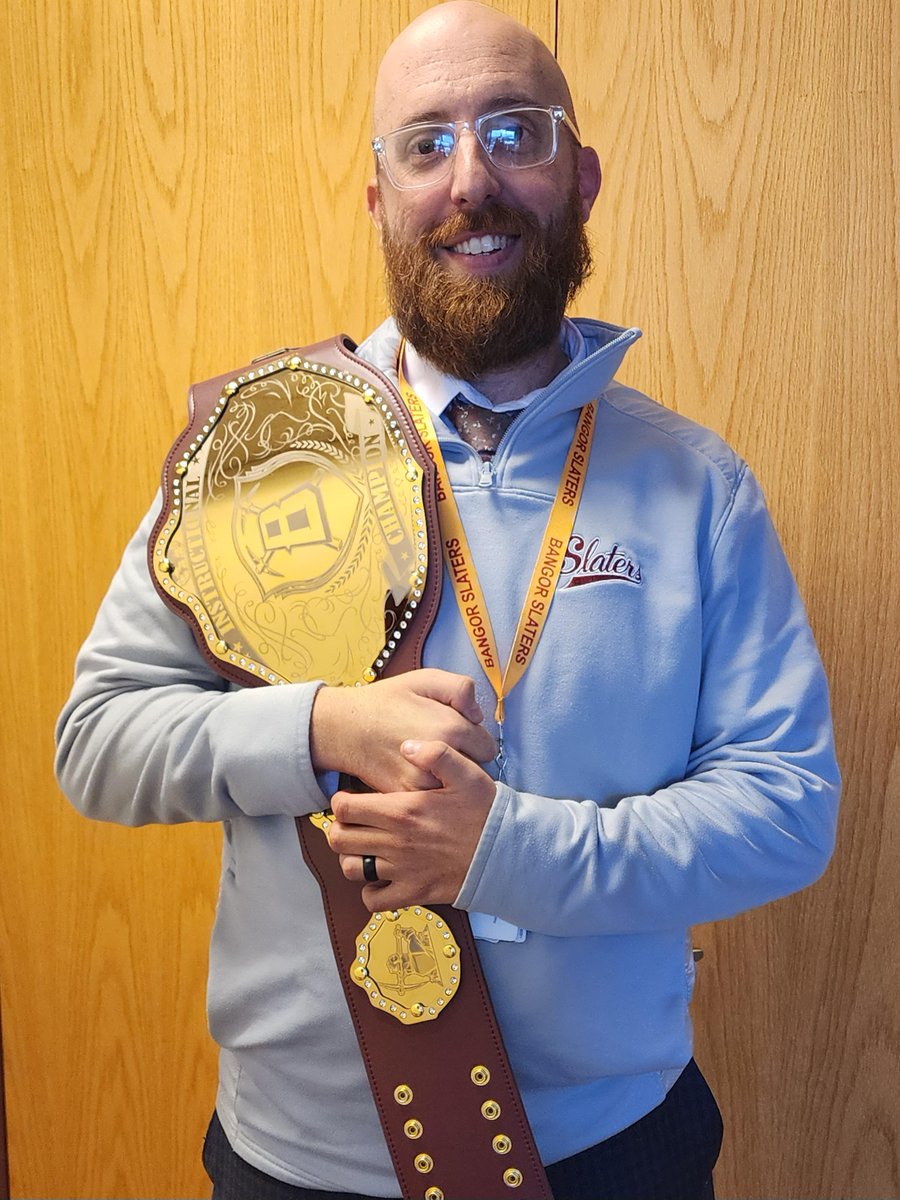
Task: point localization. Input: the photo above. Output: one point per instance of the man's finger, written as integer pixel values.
(366, 809)
(447, 765)
(383, 897)
(457, 691)
(352, 869)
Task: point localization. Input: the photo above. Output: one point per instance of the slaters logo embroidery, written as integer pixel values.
(590, 562)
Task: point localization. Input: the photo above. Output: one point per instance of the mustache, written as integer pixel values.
(493, 218)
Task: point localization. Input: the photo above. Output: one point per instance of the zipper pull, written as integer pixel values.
(486, 479)
(500, 760)
(500, 757)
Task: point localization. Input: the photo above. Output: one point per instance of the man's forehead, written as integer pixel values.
(435, 97)
(461, 60)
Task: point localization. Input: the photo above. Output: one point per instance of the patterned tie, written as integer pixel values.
(481, 427)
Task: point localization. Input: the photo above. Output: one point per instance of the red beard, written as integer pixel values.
(466, 326)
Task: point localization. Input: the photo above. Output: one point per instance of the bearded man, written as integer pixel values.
(645, 743)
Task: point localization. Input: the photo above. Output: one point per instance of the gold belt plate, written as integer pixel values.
(408, 963)
(407, 960)
(296, 541)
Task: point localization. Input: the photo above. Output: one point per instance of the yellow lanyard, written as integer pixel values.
(461, 565)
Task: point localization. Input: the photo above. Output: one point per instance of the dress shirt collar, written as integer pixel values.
(436, 390)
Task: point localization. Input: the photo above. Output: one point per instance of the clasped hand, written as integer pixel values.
(416, 739)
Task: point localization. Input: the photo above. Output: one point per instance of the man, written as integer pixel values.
(667, 755)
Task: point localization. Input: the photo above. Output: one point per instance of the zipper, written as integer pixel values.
(486, 478)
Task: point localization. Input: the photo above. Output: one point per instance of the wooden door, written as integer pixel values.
(186, 185)
(749, 223)
(185, 192)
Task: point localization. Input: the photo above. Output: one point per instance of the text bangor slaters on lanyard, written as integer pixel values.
(544, 577)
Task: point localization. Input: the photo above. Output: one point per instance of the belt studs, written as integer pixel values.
(434, 1194)
(403, 1093)
(490, 1110)
(502, 1144)
(424, 1163)
(413, 1129)
(480, 1076)
(512, 1178)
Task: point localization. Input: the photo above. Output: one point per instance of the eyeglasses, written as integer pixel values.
(420, 155)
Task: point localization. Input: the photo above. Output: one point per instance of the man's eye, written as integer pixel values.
(511, 135)
(507, 137)
(431, 145)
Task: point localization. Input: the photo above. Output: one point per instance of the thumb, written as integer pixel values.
(440, 760)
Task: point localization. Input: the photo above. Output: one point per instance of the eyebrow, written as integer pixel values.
(495, 104)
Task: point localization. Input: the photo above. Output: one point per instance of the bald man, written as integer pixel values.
(663, 754)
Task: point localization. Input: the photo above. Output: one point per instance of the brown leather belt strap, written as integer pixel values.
(451, 1112)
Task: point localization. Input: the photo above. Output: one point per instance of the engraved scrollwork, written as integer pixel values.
(229, 449)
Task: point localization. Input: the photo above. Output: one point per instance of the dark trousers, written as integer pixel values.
(667, 1155)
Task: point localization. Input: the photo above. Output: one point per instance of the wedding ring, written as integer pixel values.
(370, 874)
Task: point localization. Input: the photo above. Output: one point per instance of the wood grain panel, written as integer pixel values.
(4, 1160)
(185, 191)
(749, 223)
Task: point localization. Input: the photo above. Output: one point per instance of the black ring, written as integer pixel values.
(370, 874)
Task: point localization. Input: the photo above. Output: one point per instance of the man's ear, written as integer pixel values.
(373, 203)
(589, 179)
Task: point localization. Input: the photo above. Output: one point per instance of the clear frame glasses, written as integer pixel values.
(420, 155)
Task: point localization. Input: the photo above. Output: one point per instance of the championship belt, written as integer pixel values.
(297, 539)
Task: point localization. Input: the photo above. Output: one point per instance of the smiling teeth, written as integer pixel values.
(482, 245)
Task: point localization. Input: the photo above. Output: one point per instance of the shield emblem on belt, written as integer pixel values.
(281, 523)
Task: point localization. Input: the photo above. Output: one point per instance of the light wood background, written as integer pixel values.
(185, 192)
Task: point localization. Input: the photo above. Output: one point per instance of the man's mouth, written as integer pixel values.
(486, 243)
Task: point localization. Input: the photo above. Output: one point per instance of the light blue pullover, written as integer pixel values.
(670, 762)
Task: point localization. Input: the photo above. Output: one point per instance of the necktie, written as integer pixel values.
(481, 427)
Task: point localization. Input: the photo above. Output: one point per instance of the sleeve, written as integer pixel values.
(151, 733)
(752, 820)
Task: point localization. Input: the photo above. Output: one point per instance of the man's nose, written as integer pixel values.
(474, 177)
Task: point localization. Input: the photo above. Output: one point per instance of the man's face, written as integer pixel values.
(469, 312)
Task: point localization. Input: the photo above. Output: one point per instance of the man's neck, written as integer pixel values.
(520, 378)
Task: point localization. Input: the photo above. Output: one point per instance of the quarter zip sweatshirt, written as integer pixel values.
(670, 762)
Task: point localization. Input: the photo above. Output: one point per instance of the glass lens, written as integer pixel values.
(520, 138)
(419, 155)
(420, 152)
